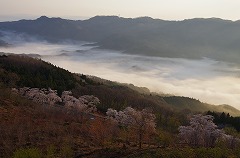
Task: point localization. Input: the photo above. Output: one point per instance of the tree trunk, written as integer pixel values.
(140, 139)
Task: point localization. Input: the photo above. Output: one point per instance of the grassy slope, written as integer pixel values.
(24, 124)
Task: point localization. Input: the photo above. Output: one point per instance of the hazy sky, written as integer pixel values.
(78, 9)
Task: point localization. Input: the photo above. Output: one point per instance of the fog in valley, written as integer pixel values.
(207, 80)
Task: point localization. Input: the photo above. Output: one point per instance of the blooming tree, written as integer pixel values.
(201, 131)
(143, 121)
(42, 96)
(231, 141)
(86, 103)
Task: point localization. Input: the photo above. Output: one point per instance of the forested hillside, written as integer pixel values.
(125, 121)
(23, 71)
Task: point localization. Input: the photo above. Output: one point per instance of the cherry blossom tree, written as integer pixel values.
(142, 121)
(86, 103)
(201, 131)
(82, 104)
(42, 96)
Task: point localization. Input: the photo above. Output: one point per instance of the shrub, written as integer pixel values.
(27, 153)
(66, 151)
(51, 152)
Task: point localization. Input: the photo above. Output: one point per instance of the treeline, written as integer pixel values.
(223, 119)
(23, 71)
(119, 97)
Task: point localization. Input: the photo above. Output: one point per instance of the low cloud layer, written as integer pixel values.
(210, 81)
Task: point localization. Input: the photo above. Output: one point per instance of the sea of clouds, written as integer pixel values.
(208, 80)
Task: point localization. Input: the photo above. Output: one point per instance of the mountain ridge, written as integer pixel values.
(192, 38)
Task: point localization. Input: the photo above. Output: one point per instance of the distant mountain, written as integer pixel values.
(186, 103)
(195, 38)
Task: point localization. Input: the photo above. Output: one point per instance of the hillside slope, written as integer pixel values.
(53, 131)
(22, 71)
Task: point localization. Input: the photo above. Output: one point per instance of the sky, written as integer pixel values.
(83, 9)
